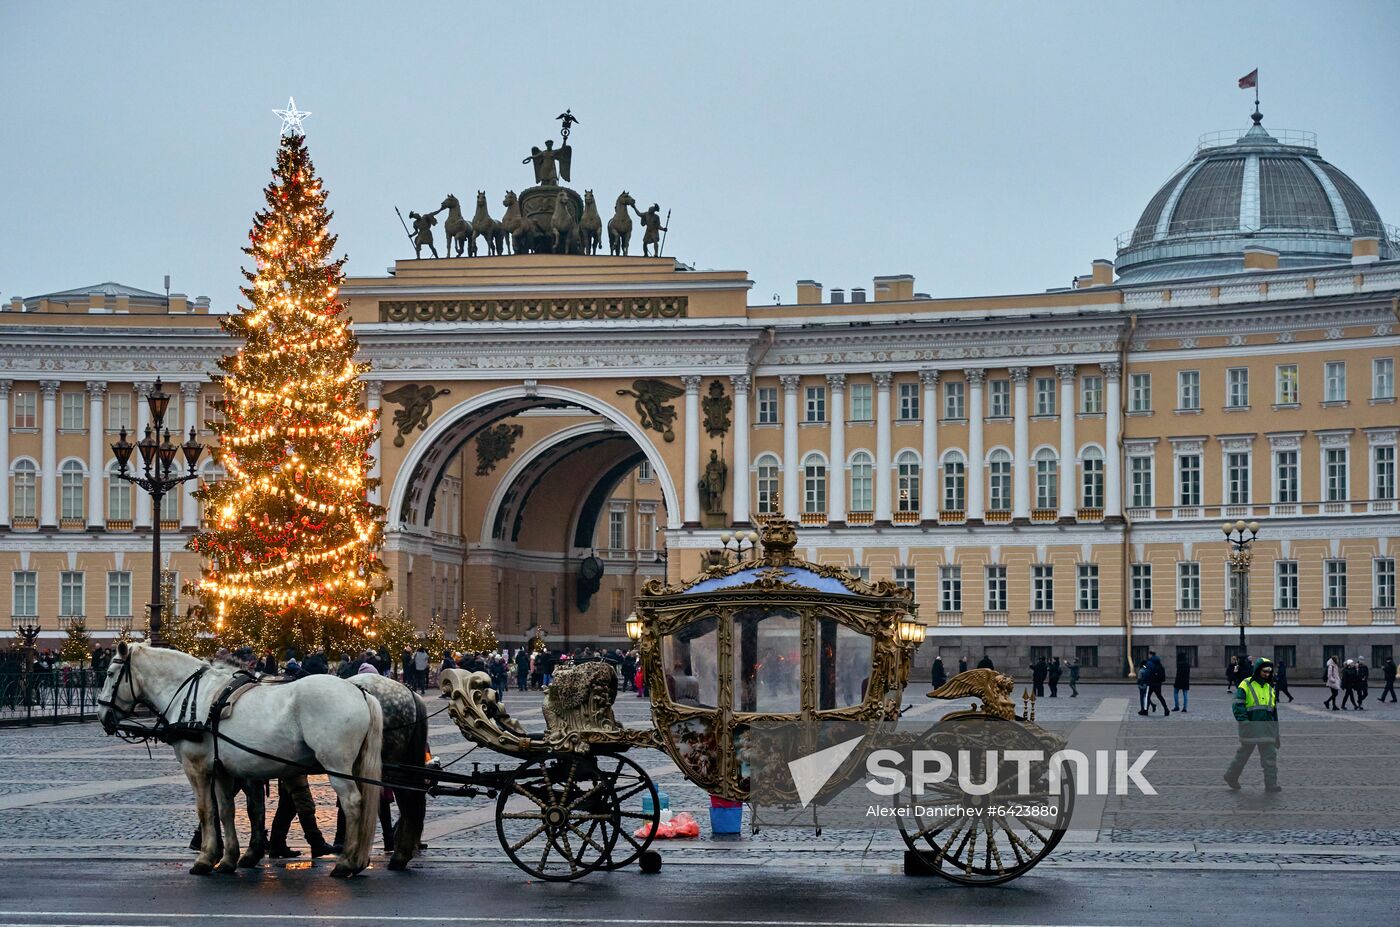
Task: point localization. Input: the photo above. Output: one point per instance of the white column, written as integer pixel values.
(143, 419)
(976, 478)
(836, 468)
(48, 463)
(883, 507)
(1021, 447)
(97, 454)
(692, 449)
(928, 474)
(740, 513)
(791, 484)
(1112, 453)
(5, 386)
(373, 391)
(189, 505)
(1069, 488)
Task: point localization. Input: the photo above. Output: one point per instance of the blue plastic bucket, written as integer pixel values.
(646, 801)
(727, 820)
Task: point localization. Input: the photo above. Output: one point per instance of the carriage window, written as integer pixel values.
(691, 659)
(843, 665)
(767, 660)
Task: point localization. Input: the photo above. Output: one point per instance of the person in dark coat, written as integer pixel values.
(962, 664)
(1053, 677)
(317, 664)
(1074, 679)
(940, 675)
(1039, 669)
(1349, 685)
(1388, 671)
(1181, 683)
(522, 668)
(985, 662)
(1281, 679)
(1232, 674)
(1156, 676)
(1363, 684)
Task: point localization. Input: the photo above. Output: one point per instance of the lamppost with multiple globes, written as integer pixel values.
(1240, 537)
(158, 479)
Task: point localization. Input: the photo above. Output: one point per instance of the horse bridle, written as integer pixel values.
(118, 716)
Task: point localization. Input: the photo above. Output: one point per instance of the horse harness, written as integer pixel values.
(186, 723)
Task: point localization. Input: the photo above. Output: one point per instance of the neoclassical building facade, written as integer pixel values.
(1048, 471)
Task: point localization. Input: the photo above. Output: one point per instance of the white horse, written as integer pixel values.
(318, 721)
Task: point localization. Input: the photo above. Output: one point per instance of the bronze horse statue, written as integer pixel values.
(591, 225)
(515, 225)
(488, 228)
(564, 226)
(620, 225)
(457, 229)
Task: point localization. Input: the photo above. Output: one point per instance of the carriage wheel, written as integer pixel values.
(993, 838)
(630, 784)
(558, 819)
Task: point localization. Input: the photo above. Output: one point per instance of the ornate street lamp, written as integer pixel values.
(1240, 536)
(158, 479)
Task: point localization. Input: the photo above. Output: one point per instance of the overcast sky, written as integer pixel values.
(983, 147)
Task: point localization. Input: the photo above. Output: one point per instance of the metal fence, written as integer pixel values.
(49, 696)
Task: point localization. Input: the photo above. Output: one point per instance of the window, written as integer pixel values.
(1086, 655)
(950, 589)
(615, 607)
(1044, 395)
(171, 422)
(1285, 584)
(1383, 378)
(1383, 573)
(1334, 574)
(1188, 586)
(26, 410)
(862, 482)
(954, 481)
(861, 573)
(816, 404)
(1188, 468)
(904, 577)
(1140, 480)
(1380, 653)
(1335, 466)
(71, 412)
(1335, 378)
(814, 484)
(999, 398)
(1091, 395)
(71, 492)
(1092, 478)
(25, 600)
(1334, 652)
(766, 477)
(1140, 392)
(1088, 587)
(996, 588)
(909, 402)
(954, 400)
(1047, 479)
(617, 529)
(1286, 655)
(118, 496)
(860, 403)
(767, 405)
(646, 530)
(644, 472)
(119, 411)
(1237, 478)
(1141, 574)
(119, 594)
(211, 407)
(170, 508)
(1286, 476)
(1237, 388)
(1043, 587)
(999, 481)
(1286, 385)
(908, 481)
(1383, 471)
(70, 594)
(1188, 390)
(26, 476)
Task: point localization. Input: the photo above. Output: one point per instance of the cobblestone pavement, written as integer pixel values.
(70, 792)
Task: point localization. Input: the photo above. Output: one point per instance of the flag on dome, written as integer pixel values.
(1250, 80)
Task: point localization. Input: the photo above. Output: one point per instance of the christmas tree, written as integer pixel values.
(396, 631)
(435, 639)
(475, 634)
(77, 646)
(292, 544)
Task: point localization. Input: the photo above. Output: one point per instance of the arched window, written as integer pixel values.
(907, 466)
(71, 489)
(999, 481)
(862, 482)
(118, 495)
(26, 480)
(814, 484)
(954, 481)
(1092, 468)
(1047, 479)
(767, 473)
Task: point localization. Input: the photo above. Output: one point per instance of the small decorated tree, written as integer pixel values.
(395, 631)
(77, 646)
(435, 639)
(475, 633)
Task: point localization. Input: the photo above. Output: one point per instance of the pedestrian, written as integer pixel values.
(1281, 679)
(522, 669)
(294, 801)
(1181, 683)
(1363, 684)
(962, 664)
(1349, 684)
(1156, 677)
(1039, 670)
(1255, 707)
(1333, 679)
(1053, 677)
(1142, 688)
(1232, 671)
(1074, 679)
(1388, 671)
(985, 662)
(421, 662)
(939, 675)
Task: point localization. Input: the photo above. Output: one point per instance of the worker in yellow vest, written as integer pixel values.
(1255, 707)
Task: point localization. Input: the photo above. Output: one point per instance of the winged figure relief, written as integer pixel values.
(653, 412)
(416, 402)
(993, 688)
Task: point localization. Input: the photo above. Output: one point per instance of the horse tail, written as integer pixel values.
(413, 804)
(370, 765)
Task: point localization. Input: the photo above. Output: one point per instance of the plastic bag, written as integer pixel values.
(681, 826)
